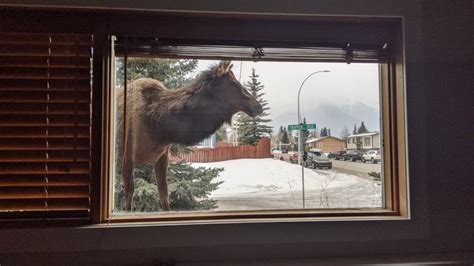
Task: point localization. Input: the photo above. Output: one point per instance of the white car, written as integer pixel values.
(371, 156)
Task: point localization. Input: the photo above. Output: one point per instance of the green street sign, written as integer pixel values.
(301, 127)
(310, 126)
(293, 127)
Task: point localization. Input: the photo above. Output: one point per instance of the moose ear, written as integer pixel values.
(223, 67)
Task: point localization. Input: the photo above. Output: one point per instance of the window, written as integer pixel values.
(54, 97)
(134, 58)
(367, 141)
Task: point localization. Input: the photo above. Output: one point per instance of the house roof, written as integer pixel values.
(364, 134)
(321, 138)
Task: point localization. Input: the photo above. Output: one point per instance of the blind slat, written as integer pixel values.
(45, 119)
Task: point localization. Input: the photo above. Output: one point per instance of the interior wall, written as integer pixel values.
(438, 49)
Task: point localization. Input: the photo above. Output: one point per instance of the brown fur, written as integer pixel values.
(158, 117)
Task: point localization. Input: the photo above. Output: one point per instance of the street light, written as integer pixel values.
(300, 134)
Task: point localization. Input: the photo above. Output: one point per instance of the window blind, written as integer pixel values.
(45, 125)
(257, 51)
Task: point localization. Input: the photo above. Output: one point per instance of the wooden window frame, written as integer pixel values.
(394, 165)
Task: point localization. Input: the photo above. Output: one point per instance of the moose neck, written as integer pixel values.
(199, 117)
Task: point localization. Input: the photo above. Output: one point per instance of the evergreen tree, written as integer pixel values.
(362, 128)
(172, 73)
(221, 134)
(284, 137)
(354, 132)
(189, 188)
(280, 133)
(324, 132)
(252, 129)
(329, 132)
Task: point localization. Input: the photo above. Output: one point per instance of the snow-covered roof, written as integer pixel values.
(364, 134)
(321, 138)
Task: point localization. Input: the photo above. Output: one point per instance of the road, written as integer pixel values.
(354, 168)
(357, 168)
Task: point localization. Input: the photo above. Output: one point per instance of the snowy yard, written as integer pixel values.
(251, 184)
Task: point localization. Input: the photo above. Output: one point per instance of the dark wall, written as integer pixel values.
(439, 73)
(448, 54)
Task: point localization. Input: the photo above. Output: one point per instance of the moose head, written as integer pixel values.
(230, 92)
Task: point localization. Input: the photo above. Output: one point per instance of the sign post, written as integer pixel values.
(301, 127)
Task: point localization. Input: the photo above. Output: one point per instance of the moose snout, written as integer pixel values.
(255, 109)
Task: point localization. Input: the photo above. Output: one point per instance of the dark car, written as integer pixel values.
(316, 159)
(353, 156)
(339, 155)
(331, 155)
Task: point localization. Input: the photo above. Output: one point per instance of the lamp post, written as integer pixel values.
(300, 134)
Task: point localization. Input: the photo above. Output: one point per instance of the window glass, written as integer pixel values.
(366, 141)
(210, 135)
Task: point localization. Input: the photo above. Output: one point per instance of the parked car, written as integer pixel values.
(372, 156)
(339, 155)
(293, 157)
(331, 155)
(317, 159)
(353, 156)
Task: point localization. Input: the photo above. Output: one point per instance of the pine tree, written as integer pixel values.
(252, 129)
(284, 138)
(172, 73)
(362, 128)
(354, 132)
(188, 187)
(221, 134)
(324, 132)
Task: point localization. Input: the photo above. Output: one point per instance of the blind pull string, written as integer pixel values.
(64, 166)
(48, 64)
(76, 98)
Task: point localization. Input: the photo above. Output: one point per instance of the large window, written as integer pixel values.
(205, 130)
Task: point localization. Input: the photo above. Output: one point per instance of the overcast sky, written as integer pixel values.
(344, 84)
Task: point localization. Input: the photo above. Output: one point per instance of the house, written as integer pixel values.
(326, 144)
(364, 141)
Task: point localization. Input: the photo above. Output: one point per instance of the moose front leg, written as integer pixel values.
(161, 168)
(127, 173)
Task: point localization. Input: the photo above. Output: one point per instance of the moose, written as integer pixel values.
(157, 118)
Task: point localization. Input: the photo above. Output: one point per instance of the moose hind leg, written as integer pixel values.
(161, 168)
(127, 172)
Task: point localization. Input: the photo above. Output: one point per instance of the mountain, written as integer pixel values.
(334, 117)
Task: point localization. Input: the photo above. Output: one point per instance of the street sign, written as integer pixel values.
(301, 127)
(294, 127)
(310, 126)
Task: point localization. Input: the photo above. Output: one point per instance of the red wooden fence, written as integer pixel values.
(223, 153)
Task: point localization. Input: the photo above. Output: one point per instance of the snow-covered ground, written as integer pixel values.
(273, 184)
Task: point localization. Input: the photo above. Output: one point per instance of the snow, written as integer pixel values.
(270, 183)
